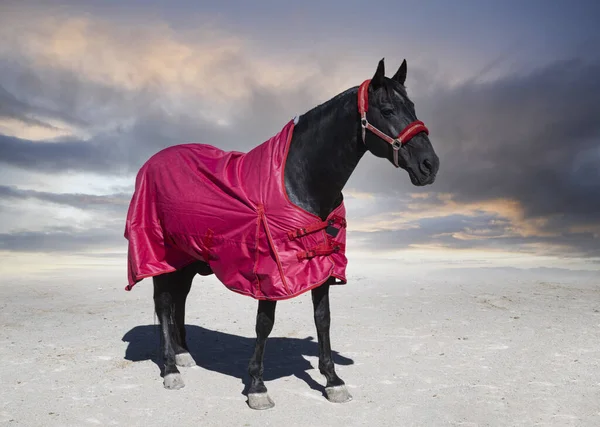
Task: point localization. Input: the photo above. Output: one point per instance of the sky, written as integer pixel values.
(509, 90)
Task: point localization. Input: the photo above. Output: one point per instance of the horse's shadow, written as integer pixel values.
(229, 354)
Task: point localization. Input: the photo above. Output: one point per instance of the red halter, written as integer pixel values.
(407, 133)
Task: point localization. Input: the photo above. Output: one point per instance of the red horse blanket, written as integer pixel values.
(197, 202)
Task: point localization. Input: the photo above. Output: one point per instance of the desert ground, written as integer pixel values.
(417, 348)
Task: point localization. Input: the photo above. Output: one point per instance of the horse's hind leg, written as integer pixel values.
(170, 292)
(335, 389)
(257, 393)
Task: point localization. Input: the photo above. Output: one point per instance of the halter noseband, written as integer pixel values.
(406, 135)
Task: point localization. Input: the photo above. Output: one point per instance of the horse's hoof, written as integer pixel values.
(173, 381)
(260, 401)
(184, 359)
(338, 394)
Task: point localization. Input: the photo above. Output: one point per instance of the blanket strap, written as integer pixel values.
(317, 226)
(320, 250)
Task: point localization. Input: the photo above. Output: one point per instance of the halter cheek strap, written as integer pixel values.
(406, 135)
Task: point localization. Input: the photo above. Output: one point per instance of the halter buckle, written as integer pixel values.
(396, 144)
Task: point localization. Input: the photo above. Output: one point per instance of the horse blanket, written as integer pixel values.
(230, 209)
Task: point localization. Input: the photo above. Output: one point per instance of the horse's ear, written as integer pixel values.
(400, 75)
(377, 80)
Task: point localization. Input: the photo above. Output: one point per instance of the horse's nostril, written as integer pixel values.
(426, 167)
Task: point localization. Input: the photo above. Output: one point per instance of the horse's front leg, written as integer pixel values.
(164, 305)
(258, 398)
(180, 291)
(335, 389)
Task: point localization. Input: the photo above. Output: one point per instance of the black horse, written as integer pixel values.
(327, 144)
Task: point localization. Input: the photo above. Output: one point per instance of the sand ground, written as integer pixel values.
(414, 351)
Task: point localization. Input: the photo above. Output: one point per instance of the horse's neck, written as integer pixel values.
(324, 151)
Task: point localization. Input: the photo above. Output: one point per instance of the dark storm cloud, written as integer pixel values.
(112, 202)
(503, 135)
(133, 124)
(12, 108)
(35, 96)
(69, 155)
(534, 139)
(61, 239)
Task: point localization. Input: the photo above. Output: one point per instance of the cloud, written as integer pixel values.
(484, 233)
(204, 62)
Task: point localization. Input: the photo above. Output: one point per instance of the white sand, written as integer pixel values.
(441, 351)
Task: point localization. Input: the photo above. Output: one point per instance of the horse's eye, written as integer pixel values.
(387, 112)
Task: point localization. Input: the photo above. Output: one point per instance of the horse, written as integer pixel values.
(250, 246)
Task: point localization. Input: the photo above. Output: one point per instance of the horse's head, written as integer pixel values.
(391, 128)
